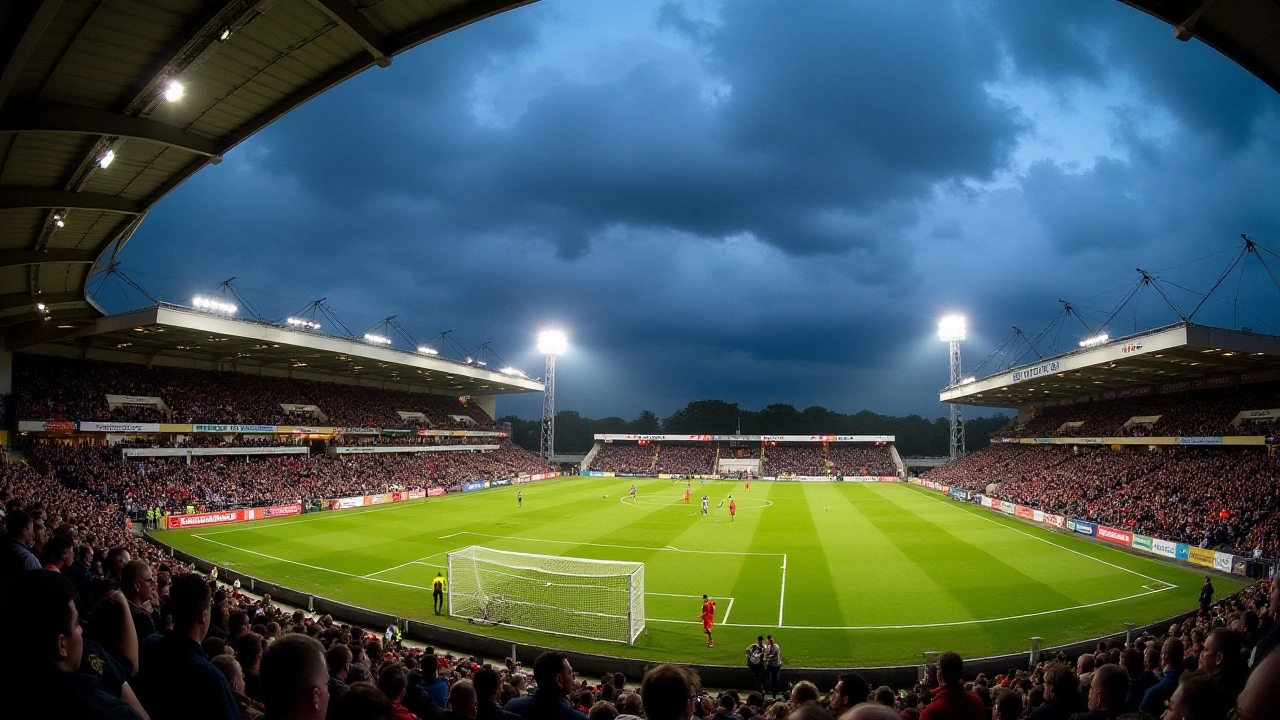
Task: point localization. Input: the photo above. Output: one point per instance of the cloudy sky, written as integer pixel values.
(755, 201)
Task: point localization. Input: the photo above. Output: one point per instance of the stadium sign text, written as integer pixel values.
(1047, 368)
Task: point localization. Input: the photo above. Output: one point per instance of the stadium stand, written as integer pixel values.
(1197, 413)
(50, 388)
(685, 459)
(625, 458)
(1209, 497)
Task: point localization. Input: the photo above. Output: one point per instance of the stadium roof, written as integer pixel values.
(84, 79)
(1185, 353)
(171, 335)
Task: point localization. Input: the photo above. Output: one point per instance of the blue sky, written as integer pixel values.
(755, 201)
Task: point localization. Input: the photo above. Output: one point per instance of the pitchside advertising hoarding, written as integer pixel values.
(1083, 527)
(1112, 535)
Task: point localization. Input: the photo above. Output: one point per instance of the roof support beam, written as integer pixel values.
(10, 258)
(15, 198)
(63, 118)
(343, 13)
(25, 44)
(13, 301)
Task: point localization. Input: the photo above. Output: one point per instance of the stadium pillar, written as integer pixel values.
(548, 440)
(957, 420)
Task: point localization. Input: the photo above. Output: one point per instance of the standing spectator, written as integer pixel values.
(850, 690)
(176, 679)
(554, 676)
(294, 678)
(773, 665)
(1206, 594)
(47, 646)
(1171, 667)
(950, 701)
(755, 663)
(668, 693)
(1107, 689)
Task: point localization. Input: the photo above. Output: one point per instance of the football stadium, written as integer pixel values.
(210, 512)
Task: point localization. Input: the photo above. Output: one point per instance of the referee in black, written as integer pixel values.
(437, 593)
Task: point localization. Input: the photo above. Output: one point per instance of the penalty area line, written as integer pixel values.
(312, 567)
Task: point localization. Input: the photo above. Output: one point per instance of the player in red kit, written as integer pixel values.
(708, 617)
(748, 485)
(733, 509)
(686, 496)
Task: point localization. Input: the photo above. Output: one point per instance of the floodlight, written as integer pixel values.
(105, 160)
(952, 328)
(59, 222)
(301, 323)
(40, 307)
(214, 306)
(1096, 340)
(377, 339)
(552, 342)
(968, 380)
(428, 350)
(513, 372)
(226, 33)
(173, 92)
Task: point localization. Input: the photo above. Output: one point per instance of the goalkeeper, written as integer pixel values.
(437, 593)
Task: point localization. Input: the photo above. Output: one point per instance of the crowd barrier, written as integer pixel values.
(1220, 561)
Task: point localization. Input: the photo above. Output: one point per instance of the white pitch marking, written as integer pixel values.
(782, 598)
(397, 567)
(446, 537)
(727, 610)
(666, 548)
(313, 567)
(1061, 547)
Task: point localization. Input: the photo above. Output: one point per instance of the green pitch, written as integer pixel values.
(841, 574)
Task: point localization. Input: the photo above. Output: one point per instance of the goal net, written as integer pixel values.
(592, 599)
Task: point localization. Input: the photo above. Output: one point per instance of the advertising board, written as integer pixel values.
(1200, 556)
(1117, 537)
(1082, 526)
(175, 522)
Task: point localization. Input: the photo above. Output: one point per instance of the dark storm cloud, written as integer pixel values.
(765, 202)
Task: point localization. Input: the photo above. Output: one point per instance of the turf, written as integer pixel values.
(841, 574)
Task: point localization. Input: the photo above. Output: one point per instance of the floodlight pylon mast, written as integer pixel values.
(957, 419)
(548, 441)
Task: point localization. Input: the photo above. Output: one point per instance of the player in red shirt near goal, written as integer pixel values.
(708, 617)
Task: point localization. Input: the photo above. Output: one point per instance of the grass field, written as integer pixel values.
(841, 574)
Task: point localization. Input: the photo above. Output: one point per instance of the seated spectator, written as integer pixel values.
(554, 677)
(45, 651)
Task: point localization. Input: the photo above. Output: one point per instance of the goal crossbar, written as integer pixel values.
(529, 591)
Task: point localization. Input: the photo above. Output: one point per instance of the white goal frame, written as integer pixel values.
(574, 597)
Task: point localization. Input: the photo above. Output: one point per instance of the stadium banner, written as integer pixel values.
(212, 452)
(383, 449)
(423, 432)
(985, 501)
(593, 473)
(435, 491)
(255, 429)
(396, 431)
(1008, 508)
(175, 522)
(1240, 566)
(379, 499)
(612, 437)
(1025, 512)
(1057, 521)
(355, 431)
(1144, 542)
(606, 474)
(473, 486)
(500, 483)
(275, 511)
(59, 426)
(1083, 527)
(415, 494)
(1182, 551)
(118, 427)
(1037, 515)
(1200, 556)
(1223, 561)
(664, 476)
(1200, 441)
(348, 502)
(1045, 368)
(303, 430)
(826, 478)
(888, 478)
(1117, 537)
(958, 494)
(1165, 548)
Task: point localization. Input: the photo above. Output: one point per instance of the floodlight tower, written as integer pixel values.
(551, 343)
(951, 330)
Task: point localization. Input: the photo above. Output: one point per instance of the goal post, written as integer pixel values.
(575, 597)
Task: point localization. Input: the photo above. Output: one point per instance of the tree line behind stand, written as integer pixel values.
(916, 436)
